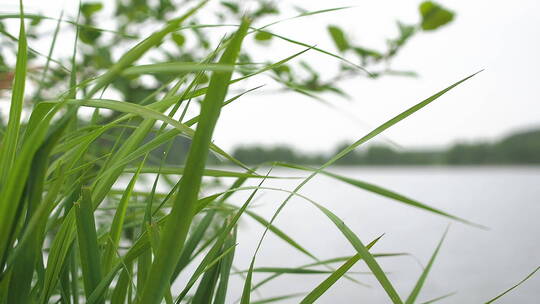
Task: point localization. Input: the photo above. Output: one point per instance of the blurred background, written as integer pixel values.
(474, 152)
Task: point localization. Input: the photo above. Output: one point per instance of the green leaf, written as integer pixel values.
(178, 38)
(139, 50)
(90, 8)
(338, 36)
(263, 36)
(231, 5)
(434, 15)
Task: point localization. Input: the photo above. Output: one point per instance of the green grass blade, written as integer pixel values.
(358, 245)
(88, 245)
(439, 298)
(28, 250)
(513, 287)
(421, 280)
(225, 270)
(12, 191)
(279, 233)
(119, 293)
(126, 158)
(118, 221)
(176, 68)
(305, 14)
(10, 139)
(381, 191)
(364, 253)
(49, 56)
(177, 226)
(221, 239)
(207, 286)
(206, 172)
(207, 265)
(287, 270)
(57, 256)
(334, 277)
(197, 235)
(277, 299)
(325, 262)
(394, 121)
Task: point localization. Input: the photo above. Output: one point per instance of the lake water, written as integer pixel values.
(477, 264)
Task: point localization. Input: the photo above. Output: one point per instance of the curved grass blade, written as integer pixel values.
(416, 290)
(358, 245)
(277, 299)
(220, 241)
(335, 276)
(177, 225)
(512, 288)
(198, 232)
(157, 141)
(117, 223)
(11, 136)
(175, 68)
(57, 256)
(279, 233)
(381, 191)
(225, 270)
(308, 13)
(207, 172)
(23, 258)
(364, 253)
(49, 56)
(439, 298)
(287, 270)
(326, 262)
(88, 245)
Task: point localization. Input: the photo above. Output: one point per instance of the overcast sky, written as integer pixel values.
(501, 37)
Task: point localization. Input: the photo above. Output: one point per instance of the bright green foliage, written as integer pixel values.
(263, 36)
(339, 38)
(434, 15)
(79, 222)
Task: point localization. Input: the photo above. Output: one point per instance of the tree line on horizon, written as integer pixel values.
(518, 148)
(515, 149)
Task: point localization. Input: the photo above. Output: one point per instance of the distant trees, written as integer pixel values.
(520, 148)
(259, 154)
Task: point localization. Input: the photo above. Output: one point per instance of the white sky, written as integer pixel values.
(499, 36)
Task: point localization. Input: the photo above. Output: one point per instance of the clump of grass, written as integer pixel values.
(68, 236)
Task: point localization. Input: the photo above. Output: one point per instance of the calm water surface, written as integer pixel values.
(475, 263)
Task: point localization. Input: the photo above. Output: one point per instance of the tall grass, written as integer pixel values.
(69, 235)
